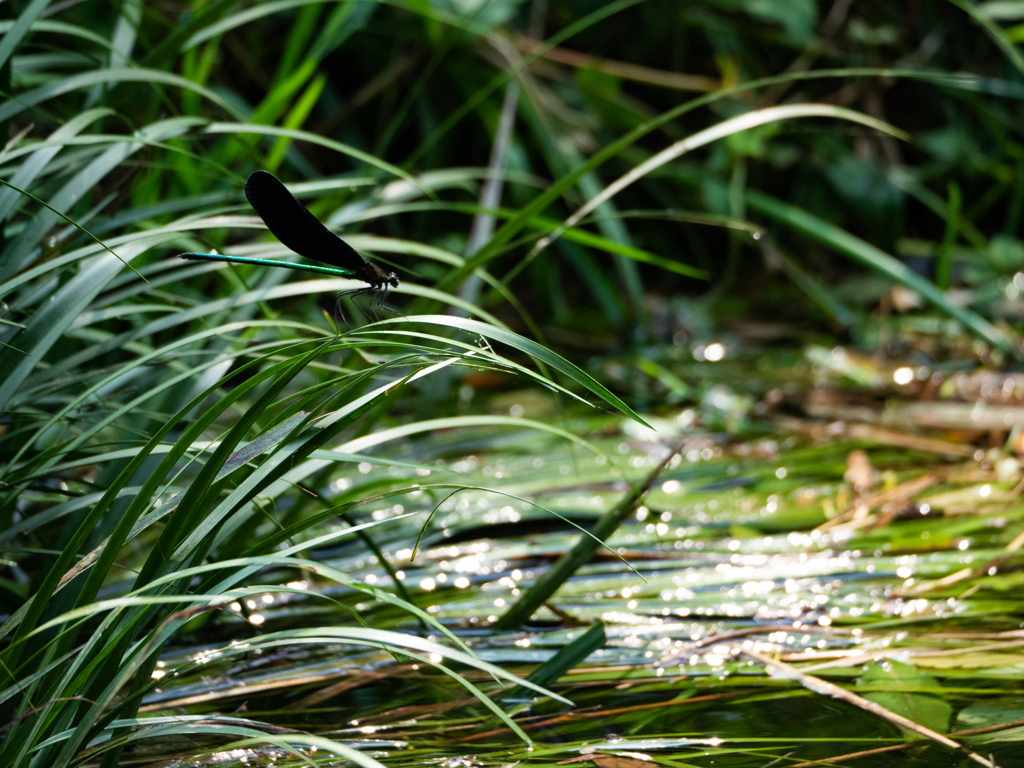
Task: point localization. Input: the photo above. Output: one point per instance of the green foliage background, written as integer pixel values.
(158, 415)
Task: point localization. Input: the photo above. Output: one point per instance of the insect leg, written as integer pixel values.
(382, 297)
(353, 293)
(338, 311)
(373, 298)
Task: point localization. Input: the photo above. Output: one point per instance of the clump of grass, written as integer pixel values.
(179, 439)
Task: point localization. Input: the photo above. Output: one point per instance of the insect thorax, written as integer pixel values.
(375, 276)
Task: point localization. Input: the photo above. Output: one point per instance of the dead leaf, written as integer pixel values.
(621, 761)
(602, 760)
(859, 472)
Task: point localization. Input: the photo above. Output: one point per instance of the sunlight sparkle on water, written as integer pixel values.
(233, 756)
(903, 376)
(714, 352)
(469, 564)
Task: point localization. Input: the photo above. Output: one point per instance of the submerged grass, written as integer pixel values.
(234, 535)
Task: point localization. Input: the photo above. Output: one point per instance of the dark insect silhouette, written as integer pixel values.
(301, 231)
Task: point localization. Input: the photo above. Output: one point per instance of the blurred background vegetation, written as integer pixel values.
(423, 88)
(160, 417)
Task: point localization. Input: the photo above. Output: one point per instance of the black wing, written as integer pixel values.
(295, 226)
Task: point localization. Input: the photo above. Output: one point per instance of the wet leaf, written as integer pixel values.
(972, 661)
(984, 715)
(902, 696)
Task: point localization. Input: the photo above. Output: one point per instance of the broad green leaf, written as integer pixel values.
(901, 693)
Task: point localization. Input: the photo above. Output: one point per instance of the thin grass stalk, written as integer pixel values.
(490, 193)
(580, 554)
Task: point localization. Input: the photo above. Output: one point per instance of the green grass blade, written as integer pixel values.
(106, 77)
(19, 29)
(878, 261)
(568, 657)
(722, 130)
(530, 348)
(300, 135)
